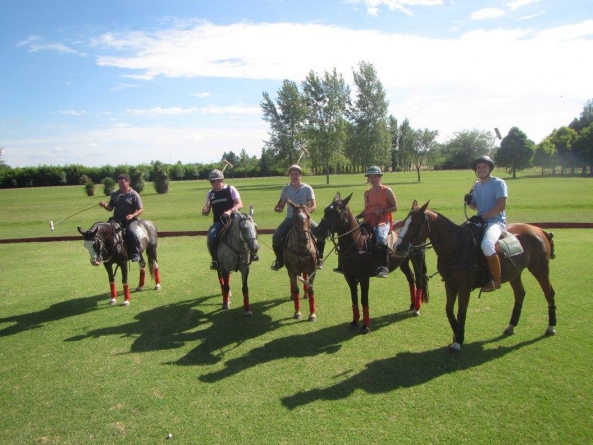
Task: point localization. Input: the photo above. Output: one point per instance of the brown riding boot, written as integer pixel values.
(494, 264)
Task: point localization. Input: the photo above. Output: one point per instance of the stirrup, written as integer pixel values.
(214, 265)
(276, 265)
(135, 258)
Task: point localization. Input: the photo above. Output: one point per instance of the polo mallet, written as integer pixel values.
(226, 164)
(52, 224)
(303, 151)
(496, 136)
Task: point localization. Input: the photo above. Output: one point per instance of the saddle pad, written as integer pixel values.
(509, 245)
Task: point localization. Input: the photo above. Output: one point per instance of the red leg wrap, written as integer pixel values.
(246, 301)
(142, 277)
(413, 294)
(355, 312)
(157, 276)
(113, 288)
(312, 303)
(418, 299)
(366, 318)
(126, 292)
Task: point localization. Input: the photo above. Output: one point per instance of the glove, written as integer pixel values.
(477, 219)
(468, 198)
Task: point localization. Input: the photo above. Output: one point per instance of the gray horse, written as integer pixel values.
(236, 248)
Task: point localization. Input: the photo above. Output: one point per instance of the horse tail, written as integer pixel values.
(550, 237)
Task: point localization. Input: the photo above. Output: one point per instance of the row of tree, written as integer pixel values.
(330, 131)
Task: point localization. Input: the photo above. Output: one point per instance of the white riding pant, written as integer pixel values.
(491, 236)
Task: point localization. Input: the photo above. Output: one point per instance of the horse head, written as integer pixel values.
(98, 241)
(301, 221)
(248, 230)
(334, 215)
(415, 230)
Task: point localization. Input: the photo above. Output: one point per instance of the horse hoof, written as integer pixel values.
(126, 303)
(551, 331)
(298, 316)
(112, 302)
(510, 330)
(312, 317)
(365, 330)
(353, 325)
(249, 314)
(226, 305)
(157, 287)
(454, 347)
(415, 313)
(138, 289)
(412, 307)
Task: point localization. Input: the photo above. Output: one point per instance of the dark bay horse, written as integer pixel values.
(460, 269)
(359, 264)
(105, 243)
(237, 245)
(300, 258)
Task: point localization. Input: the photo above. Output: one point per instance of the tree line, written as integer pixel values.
(329, 130)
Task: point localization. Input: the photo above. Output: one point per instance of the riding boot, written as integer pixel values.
(213, 249)
(382, 262)
(494, 264)
(320, 250)
(133, 245)
(278, 263)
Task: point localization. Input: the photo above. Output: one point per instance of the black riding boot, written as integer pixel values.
(320, 250)
(278, 263)
(133, 245)
(382, 261)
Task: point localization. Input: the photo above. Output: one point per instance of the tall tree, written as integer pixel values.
(370, 138)
(394, 132)
(544, 155)
(286, 119)
(405, 145)
(423, 142)
(585, 119)
(516, 151)
(465, 146)
(583, 148)
(562, 138)
(327, 100)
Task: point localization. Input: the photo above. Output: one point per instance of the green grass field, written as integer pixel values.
(75, 370)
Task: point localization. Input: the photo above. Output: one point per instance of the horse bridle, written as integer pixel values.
(334, 239)
(413, 242)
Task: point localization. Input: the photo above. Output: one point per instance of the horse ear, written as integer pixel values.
(347, 199)
(414, 205)
(251, 211)
(337, 197)
(425, 206)
(80, 230)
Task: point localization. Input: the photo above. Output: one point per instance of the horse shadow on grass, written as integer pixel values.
(55, 312)
(328, 340)
(174, 325)
(407, 369)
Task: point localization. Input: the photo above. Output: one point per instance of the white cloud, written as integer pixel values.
(72, 112)
(487, 13)
(516, 4)
(373, 6)
(31, 43)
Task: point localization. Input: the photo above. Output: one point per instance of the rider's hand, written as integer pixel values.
(468, 199)
(477, 219)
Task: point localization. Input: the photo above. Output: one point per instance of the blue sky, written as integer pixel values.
(133, 81)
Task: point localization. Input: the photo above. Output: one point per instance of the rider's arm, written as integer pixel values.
(500, 206)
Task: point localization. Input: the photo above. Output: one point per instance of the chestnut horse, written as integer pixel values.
(237, 245)
(105, 243)
(458, 261)
(299, 255)
(359, 264)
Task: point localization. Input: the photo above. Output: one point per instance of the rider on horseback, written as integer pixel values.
(126, 206)
(223, 200)
(299, 193)
(489, 198)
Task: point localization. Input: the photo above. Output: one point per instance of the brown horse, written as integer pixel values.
(458, 253)
(236, 248)
(105, 243)
(300, 257)
(359, 263)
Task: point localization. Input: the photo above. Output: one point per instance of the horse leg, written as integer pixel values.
(112, 285)
(142, 280)
(364, 300)
(305, 286)
(124, 278)
(223, 279)
(153, 266)
(295, 295)
(245, 290)
(353, 284)
(543, 278)
(462, 305)
(310, 293)
(414, 304)
(519, 292)
(450, 309)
